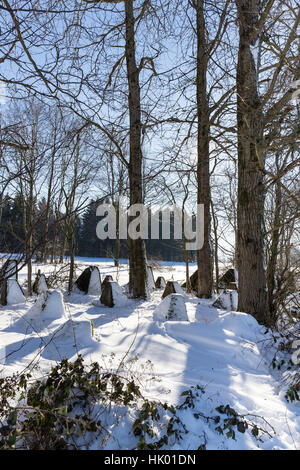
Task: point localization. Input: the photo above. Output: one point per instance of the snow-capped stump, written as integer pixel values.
(150, 279)
(172, 287)
(9, 270)
(89, 281)
(40, 284)
(53, 306)
(171, 308)
(14, 292)
(112, 295)
(228, 280)
(227, 300)
(160, 282)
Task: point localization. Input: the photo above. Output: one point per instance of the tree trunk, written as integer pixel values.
(53, 248)
(216, 247)
(29, 266)
(137, 263)
(272, 262)
(187, 271)
(63, 245)
(29, 226)
(250, 243)
(71, 246)
(117, 242)
(48, 203)
(204, 256)
(1, 207)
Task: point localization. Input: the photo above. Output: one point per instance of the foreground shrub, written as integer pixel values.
(76, 405)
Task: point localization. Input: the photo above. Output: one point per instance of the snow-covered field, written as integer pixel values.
(226, 353)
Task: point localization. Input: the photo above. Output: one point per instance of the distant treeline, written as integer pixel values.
(53, 244)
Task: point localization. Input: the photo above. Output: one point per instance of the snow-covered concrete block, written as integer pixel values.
(229, 279)
(40, 284)
(172, 287)
(79, 331)
(160, 282)
(89, 281)
(9, 269)
(227, 300)
(112, 295)
(48, 306)
(172, 307)
(95, 282)
(193, 281)
(54, 305)
(150, 280)
(14, 294)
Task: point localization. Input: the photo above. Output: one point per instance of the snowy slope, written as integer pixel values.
(223, 352)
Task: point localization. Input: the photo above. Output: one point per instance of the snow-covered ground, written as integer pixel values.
(226, 353)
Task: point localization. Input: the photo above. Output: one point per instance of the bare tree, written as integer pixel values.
(251, 121)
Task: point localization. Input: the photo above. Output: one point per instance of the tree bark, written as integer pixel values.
(272, 262)
(137, 261)
(71, 245)
(117, 242)
(250, 242)
(48, 203)
(204, 256)
(216, 247)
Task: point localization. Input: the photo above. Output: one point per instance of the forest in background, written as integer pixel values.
(157, 102)
(86, 241)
